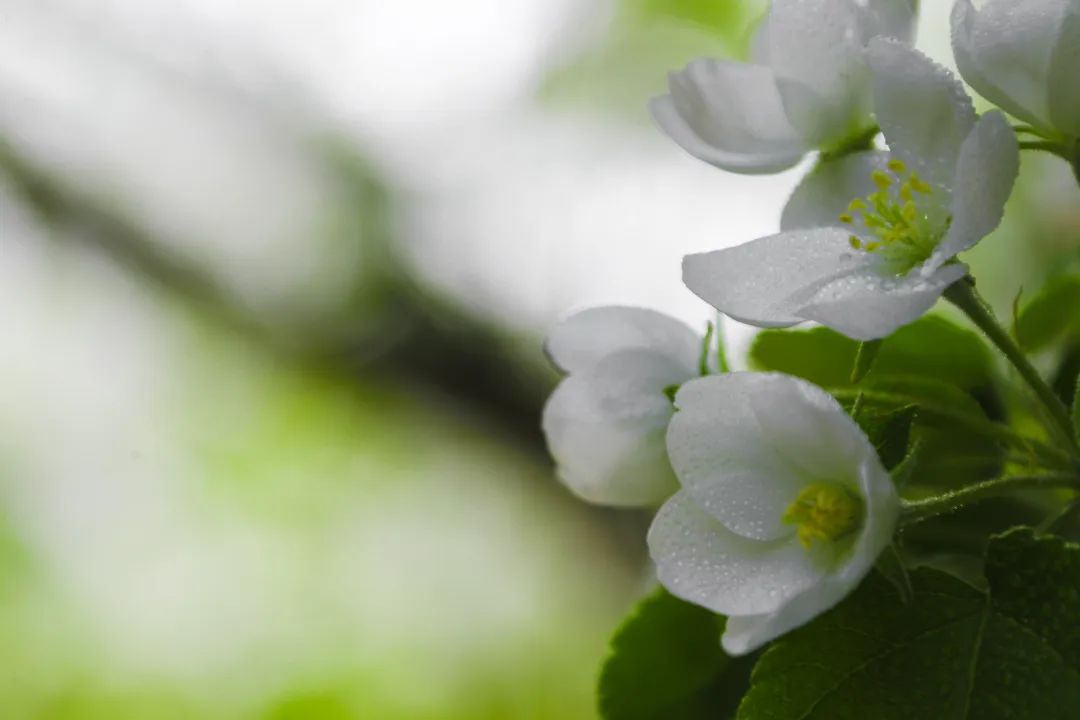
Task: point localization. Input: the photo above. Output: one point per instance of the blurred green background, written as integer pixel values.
(273, 280)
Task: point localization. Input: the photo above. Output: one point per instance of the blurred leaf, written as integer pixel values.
(1053, 313)
(889, 430)
(951, 653)
(666, 663)
(931, 346)
(864, 359)
(646, 40)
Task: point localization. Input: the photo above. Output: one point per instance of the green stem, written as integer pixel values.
(1054, 148)
(978, 425)
(919, 510)
(963, 295)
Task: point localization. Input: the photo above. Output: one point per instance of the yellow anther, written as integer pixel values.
(882, 179)
(856, 205)
(846, 219)
(871, 247)
(909, 211)
(919, 185)
(897, 165)
(905, 191)
(824, 511)
(855, 242)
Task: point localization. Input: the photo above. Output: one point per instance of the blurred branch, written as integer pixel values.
(394, 327)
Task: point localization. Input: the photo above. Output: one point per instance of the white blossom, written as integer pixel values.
(868, 241)
(1024, 56)
(784, 505)
(806, 87)
(605, 423)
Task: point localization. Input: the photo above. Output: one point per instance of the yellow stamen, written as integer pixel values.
(846, 219)
(825, 512)
(881, 178)
(855, 242)
(897, 166)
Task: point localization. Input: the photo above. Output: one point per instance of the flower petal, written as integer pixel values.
(701, 561)
(746, 633)
(817, 55)
(1004, 51)
(985, 173)
(583, 339)
(744, 445)
(869, 305)
(1063, 87)
(967, 49)
(921, 107)
(730, 115)
(829, 188)
(606, 425)
(766, 281)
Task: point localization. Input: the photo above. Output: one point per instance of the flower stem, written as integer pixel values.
(963, 295)
(1050, 146)
(919, 510)
(978, 425)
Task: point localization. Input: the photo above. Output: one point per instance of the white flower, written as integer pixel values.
(784, 505)
(605, 424)
(1024, 56)
(868, 240)
(807, 86)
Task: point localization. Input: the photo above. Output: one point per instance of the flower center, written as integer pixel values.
(896, 217)
(824, 511)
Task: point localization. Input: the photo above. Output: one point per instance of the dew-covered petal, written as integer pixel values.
(766, 281)
(1003, 50)
(985, 173)
(730, 115)
(1063, 85)
(967, 54)
(583, 339)
(744, 445)
(746, 633)
(701, 561)
(922, 109)
(816, 51)
(606, 426)
(870, 305)
(829, 188)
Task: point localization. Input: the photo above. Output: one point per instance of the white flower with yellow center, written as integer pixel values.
(869, 240)
(807, 86)
(605, 423)
(1023, 55)
(784, 505)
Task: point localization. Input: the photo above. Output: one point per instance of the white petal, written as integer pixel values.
(1063, 85)
(888, 18)
(701, 561)
(744, 445)
(966, 51)
(869, 306)
(816, 51)
(1005, 47)
(828, 189)
(766, 282)
(606, 425)
(922, 109)
(730, 115)
(583, 339)
(746, 633)
(985, 173)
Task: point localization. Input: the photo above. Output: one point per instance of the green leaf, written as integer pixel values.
(952, 653)
(1053, 313)
(931, 347)
(666, 663)
(1036, 581)
(864, 359)
(889, 429)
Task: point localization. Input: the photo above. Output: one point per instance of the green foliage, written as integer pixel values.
(953, 652)
(666, 663)
(931, 347)
(889, 428)
(1052, 314)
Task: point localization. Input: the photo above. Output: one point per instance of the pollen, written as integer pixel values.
(901, 232)
(825, 512)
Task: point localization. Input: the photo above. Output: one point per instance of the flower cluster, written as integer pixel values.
(773, 504)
